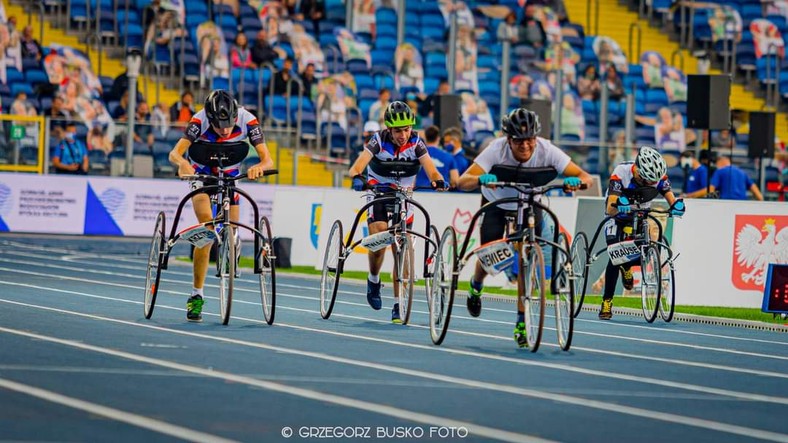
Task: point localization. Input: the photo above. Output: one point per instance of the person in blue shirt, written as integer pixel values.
(71, 155)
(698, 175)
(731, 182)
(444, 161)
(452, 143)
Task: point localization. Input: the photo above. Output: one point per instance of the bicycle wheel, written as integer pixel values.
(329, 278)
(265, 257)
(667, 298)
(442, 298)
(155, 256)
(429, 280)
(579, 253)
(226, 262)
(532, 282)
(650, 282)
(564, 297)
(404, 262)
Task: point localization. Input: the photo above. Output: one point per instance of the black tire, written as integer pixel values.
(429, 280)
(405, 261)
(565, 296)
(332, 262)
(441, 300)
(532, 271)
(667, 299)
(155, 257)
(226, 262)
(579, 254)
(267, 272)
(650, 282)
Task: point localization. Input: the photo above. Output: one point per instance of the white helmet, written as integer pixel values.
(650, 163)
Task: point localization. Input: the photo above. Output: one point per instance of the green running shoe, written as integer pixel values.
(194, 308)
(520, 335)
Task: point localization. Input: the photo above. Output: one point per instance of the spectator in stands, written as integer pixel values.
(696, 175)
(21, 106)
(165, 30)
(531, 30)
(444, 161)
(240, 54)
(30, 46)
(427, 102)
(313, 10)
(370, 128)
(98, 140)
(58, 117)
(615, 86)
(556, 5)
(452, 143)
(588, 85)
(71, 155)
(723, 139)
(309, 80)
(181, 112)
(411, 100)
(233, 4)
(150, 14)
(378, 109)
(507, 29)
(262, 51)
(121, 112)
(283, 76)
(13, 46)
(143, 130)
(160, 119)
(119, 87)
(731, 182)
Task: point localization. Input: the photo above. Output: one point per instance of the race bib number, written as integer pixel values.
(495, 256)
(623, 252)
(376, 242)
(199, 236)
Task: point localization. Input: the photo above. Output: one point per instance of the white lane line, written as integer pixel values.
(376, 408)
(590, 372)
(475, 334)
(139, 421)
(605, 336)
(418, 300)
(387, 410)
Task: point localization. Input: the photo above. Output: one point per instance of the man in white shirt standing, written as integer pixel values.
(519, 147)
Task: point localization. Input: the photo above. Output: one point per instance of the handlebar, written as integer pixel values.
(212, 178)
(526, 188)
(396, 187)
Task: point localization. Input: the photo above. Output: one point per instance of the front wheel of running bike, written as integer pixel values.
(332, 263)
(429, 280)
(266, 270)
(442, 298)
(404, 272)
(155, 257)
(650, 282)
(226, 262)
(667, 298)
(532, 272)
(564, 296)
(579, 254)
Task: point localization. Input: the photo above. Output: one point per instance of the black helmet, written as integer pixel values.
(521, 123)
(398, 114)
(221, 109)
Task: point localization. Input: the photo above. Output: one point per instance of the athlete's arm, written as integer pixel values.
(756, 192)
(265, 162)
(469, 180)
(572, 170)
(429, 168)
(178, 159)
(361, 163)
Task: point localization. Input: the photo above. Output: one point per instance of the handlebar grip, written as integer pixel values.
(271, 172)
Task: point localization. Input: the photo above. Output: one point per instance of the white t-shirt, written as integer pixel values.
(498, 152)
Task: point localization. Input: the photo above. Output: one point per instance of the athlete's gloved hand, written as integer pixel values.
(440, 185)
(487, 178)
(678, 209)
(623, 205)
(358, 183)
(572, 183)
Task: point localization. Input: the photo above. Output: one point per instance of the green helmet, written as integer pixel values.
(398, 115)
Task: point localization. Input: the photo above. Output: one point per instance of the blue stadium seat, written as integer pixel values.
(386, 16)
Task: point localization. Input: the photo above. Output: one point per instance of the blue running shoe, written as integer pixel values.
(373, 295)
(395, 314)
